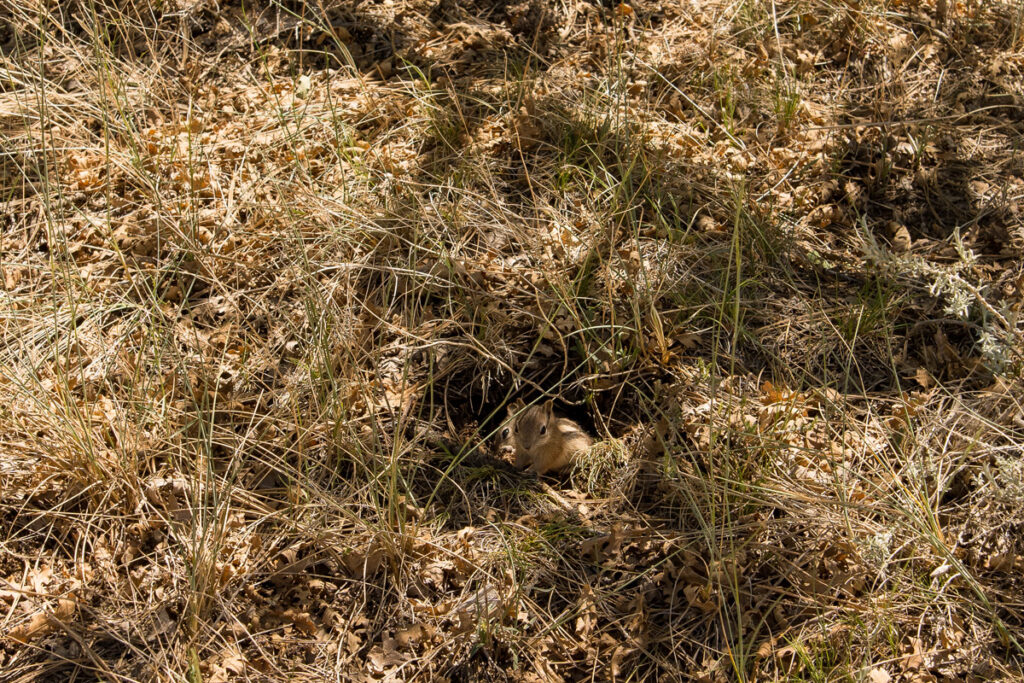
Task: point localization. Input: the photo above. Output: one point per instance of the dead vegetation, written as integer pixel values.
(272, 271)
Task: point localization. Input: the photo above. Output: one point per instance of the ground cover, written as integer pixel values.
(272, 271)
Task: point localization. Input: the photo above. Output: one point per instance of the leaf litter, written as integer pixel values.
(272, 272)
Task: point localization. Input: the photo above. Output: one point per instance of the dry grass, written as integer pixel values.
(271, 272)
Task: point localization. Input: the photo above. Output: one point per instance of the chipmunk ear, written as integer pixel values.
(515, 406)
(549, 408)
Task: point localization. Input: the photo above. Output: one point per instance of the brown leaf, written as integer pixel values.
(899, 237)
(923, 378)
(42, 622)
(301, 620)
(700, 597)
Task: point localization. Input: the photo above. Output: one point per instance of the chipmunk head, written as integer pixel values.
(532, 430)
(505, 440)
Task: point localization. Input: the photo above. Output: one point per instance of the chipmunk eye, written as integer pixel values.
(543, 429)
(504, 433)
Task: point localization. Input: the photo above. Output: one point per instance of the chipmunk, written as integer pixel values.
(504, 440)
(539, 439)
